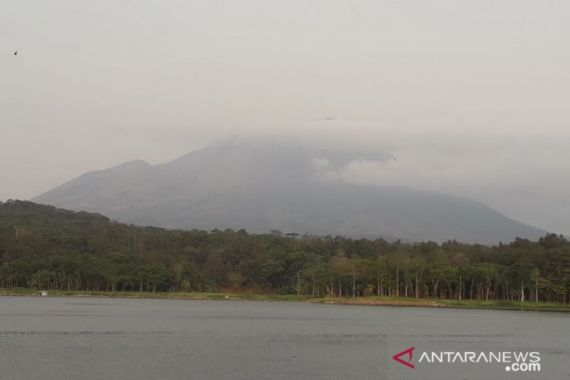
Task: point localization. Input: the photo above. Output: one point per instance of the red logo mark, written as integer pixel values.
(410, 353)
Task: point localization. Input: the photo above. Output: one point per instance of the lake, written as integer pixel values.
(102, 338)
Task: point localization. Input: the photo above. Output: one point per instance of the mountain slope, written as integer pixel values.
(272, 186)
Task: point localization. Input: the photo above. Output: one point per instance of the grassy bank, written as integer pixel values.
(367, 301)
(465, 304)
(167, 295)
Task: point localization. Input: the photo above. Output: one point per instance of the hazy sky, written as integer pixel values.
(471, 97)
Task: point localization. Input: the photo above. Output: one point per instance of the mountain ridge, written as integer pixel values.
(263, 187)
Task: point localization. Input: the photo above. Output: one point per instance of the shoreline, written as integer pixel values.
(358, 301)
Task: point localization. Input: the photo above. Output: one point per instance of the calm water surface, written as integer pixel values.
(93, 338)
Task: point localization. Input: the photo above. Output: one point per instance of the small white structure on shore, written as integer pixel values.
(44, 293)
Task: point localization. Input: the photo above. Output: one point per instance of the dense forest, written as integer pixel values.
(43, 247)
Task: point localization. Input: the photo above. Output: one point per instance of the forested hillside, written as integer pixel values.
(49, 248)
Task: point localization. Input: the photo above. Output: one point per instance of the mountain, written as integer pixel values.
(261, 187)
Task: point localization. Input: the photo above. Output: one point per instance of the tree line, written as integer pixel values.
(43, 247)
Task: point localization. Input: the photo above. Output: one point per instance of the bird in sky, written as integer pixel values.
(16, 52)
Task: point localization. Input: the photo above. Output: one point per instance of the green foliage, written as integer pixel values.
(42, 247)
